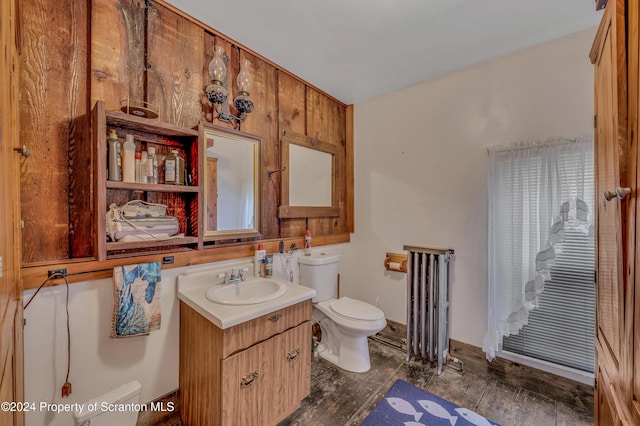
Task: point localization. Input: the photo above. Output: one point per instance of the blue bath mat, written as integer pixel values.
(408, 405)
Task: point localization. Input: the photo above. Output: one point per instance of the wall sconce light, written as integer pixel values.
(217, 92)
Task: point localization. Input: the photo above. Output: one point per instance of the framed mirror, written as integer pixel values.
(309, 180)
(231, 205)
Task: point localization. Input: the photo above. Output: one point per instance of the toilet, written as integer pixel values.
(117, 407)
(345, 323)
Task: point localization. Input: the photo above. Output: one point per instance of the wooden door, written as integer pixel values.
(633, 22)
(247, 386)
(11, 360)
(292, 369)
(613, 344)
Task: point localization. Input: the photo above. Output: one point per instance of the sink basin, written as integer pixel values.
(247, 292)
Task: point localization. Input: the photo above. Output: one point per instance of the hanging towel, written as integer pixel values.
(136, 299)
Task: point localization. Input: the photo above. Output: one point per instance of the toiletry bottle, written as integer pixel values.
(268, 268)
(258, 261)
(143, 167)
(114, 156)
(152, 166)
(307, 243)
(170, 168)
(179, 169)
(138, 160)
(128, 157)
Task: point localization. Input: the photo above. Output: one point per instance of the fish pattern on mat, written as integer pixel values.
(408, 405)
(404, 407)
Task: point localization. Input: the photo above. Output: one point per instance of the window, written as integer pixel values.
(541, 252)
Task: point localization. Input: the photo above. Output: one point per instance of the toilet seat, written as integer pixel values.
(356, 309)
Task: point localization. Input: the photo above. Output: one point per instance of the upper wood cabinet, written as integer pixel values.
(182, 201)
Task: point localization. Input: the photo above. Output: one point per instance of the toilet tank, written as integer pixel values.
(320, 272)
(117, 407)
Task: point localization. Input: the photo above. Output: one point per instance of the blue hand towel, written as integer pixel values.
(136, 301)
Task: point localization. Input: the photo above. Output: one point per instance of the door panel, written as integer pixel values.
(615, 219)
(11, 373)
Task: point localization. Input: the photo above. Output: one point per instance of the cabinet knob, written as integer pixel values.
(293, 354)
(275, 317)
(24, 151)
(619, 193)
(249, 379)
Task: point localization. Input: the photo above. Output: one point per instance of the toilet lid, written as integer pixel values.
(356, 309)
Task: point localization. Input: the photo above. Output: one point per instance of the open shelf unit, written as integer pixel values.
(182, 201)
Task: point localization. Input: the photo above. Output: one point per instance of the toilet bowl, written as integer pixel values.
(345, 323)
(117, 407)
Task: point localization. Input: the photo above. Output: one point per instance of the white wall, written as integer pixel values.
(421, 167)
(98, 363)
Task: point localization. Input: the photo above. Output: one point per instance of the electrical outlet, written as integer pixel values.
(60, 272)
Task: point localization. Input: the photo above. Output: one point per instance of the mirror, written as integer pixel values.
(308, 182)
(231, 186)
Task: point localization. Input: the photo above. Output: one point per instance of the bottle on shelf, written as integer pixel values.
(180, 178)
(138, 161)
(128, 157)
(152, 165)
(171, 169)
(114, 161)
(259, 261)
(143, 167)
(307, 243)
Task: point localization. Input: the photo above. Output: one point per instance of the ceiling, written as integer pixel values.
(355, 50)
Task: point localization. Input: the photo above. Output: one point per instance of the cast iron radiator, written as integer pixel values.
(428, 303)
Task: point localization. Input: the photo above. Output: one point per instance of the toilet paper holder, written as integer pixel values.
(396, 262)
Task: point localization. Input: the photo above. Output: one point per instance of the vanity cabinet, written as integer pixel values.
(181, 200)
(254, 373)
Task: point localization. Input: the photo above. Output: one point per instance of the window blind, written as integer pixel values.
(561, 329)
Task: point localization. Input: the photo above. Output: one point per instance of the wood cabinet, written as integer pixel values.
(615, 56)
(182, 201)
(255, 373)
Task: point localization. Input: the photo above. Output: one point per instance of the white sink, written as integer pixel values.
(248, 292)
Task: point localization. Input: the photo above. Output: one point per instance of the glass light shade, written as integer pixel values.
(244, 79)
(217, 67)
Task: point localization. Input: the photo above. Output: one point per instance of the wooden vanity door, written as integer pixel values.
(247, 392)
(292, 369)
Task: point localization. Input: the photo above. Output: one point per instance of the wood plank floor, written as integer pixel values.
(342, 398)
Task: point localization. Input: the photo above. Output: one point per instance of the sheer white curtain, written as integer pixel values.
(535, 189)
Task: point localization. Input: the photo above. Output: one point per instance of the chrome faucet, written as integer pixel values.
(234, 277)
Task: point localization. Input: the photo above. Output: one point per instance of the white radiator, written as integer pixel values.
(428, 303)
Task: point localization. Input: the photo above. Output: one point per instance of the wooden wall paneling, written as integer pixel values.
(262, 121)
(291, 117)
(53, 94)
(117, 51)
(174, 66)
(326, 121)
(81, 149)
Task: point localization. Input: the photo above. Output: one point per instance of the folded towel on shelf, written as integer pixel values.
(136, 301)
